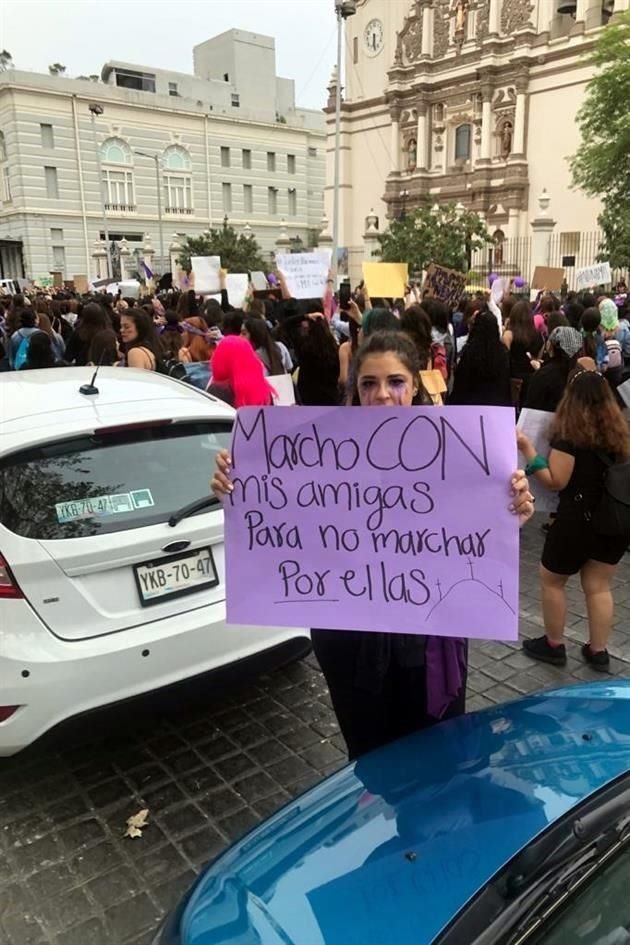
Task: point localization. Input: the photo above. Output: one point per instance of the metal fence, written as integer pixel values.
(510, 257)
(573, 251)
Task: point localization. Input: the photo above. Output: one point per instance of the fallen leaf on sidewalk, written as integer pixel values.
(136, 823)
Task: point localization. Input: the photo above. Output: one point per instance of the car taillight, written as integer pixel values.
(6, 711)
(9, 588)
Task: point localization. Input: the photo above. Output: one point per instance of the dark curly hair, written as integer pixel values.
(589, 418)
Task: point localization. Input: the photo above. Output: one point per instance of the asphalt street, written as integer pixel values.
(209, 763)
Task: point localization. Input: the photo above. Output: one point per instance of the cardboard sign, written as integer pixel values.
(385, 280)
(80, 284)
(305, 274)
(546, 277)
(598, 274)
(237, 285)
(447, 285)
(206, 270)
(57, 279)
(536, 424)
(434, 384)
(259, 281)
(364, 519)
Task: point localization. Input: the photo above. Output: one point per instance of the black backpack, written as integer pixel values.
(172, 368)
(611, 515)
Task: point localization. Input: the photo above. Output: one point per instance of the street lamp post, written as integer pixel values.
(343, 10)
(96, 109)
(156, 159)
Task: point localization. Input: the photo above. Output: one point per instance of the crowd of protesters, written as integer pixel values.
(567, 356)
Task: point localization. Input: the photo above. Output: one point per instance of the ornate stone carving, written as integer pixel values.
(515, 14)
(411, 34)
(483, 19)
(441, 28)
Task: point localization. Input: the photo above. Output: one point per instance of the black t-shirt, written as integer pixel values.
(586, 485)
(546, 387)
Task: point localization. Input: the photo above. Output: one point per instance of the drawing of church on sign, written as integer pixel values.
(470, 593)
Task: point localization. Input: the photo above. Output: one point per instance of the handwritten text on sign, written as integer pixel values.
(374, 519)
(305, 274)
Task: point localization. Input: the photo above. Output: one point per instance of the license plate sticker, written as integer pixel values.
(102, 505)
(175, 576)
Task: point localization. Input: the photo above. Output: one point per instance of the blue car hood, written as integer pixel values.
(391, 847)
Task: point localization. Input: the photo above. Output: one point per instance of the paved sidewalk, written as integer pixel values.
(207, 773)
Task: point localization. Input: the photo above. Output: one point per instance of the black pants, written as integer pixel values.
(368, 719)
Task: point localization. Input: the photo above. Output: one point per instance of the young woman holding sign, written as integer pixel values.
(385, 685)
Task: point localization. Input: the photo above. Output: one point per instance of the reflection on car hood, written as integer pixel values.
(390, 848)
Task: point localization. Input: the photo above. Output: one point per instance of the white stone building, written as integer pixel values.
(471, 102)
(230, 142)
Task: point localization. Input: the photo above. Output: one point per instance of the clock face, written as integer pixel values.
(374, 37)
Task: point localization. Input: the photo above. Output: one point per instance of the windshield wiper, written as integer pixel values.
(197, 506)
(547, 854)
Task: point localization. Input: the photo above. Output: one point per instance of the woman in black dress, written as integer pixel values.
(588, 434)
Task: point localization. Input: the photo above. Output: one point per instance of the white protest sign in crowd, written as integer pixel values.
(590, 276)
(305, 274)
(206, 270)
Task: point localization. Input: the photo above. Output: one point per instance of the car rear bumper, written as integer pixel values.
(52, 680)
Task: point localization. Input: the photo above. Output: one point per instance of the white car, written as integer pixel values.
(112, 570)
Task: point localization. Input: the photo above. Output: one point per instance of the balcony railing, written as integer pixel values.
(185, 211)
(121, 207)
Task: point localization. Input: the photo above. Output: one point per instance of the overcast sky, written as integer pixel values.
(83, 34)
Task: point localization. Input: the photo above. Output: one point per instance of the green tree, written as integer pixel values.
(238, 253)
(601, 167)
(6, 60)
(440, 234)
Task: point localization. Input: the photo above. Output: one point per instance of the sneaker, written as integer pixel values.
(541, 649)
(599, 661)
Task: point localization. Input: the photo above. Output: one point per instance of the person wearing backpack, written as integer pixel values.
(589, 465)
(613, 339)
(20, 339)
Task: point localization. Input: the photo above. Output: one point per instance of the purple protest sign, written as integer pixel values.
(374, 518)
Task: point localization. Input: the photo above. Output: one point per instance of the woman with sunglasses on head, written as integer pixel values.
(385, 685)
(589, 433)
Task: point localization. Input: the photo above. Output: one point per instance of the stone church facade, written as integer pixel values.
(465, 101)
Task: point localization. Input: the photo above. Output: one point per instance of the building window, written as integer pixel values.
(52, 184)
(272, 200)
(463, 139)
(312, 152)
(176, 158)
(177, 186)
(6, 184)
(172, 88)
(248, 198)
(178, 193)
(291, 163)
(118, 181)
(247, 159)
(119, 191)
(59, 258)
(355, 50)
(236, 100)
(225, 157)
(227, 197)
(292, 202)
(116, 151)
(271, 161)
(48, 140)
(140, 81)
(56, 236)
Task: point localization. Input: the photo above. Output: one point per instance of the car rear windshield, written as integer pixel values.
(109, 481)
